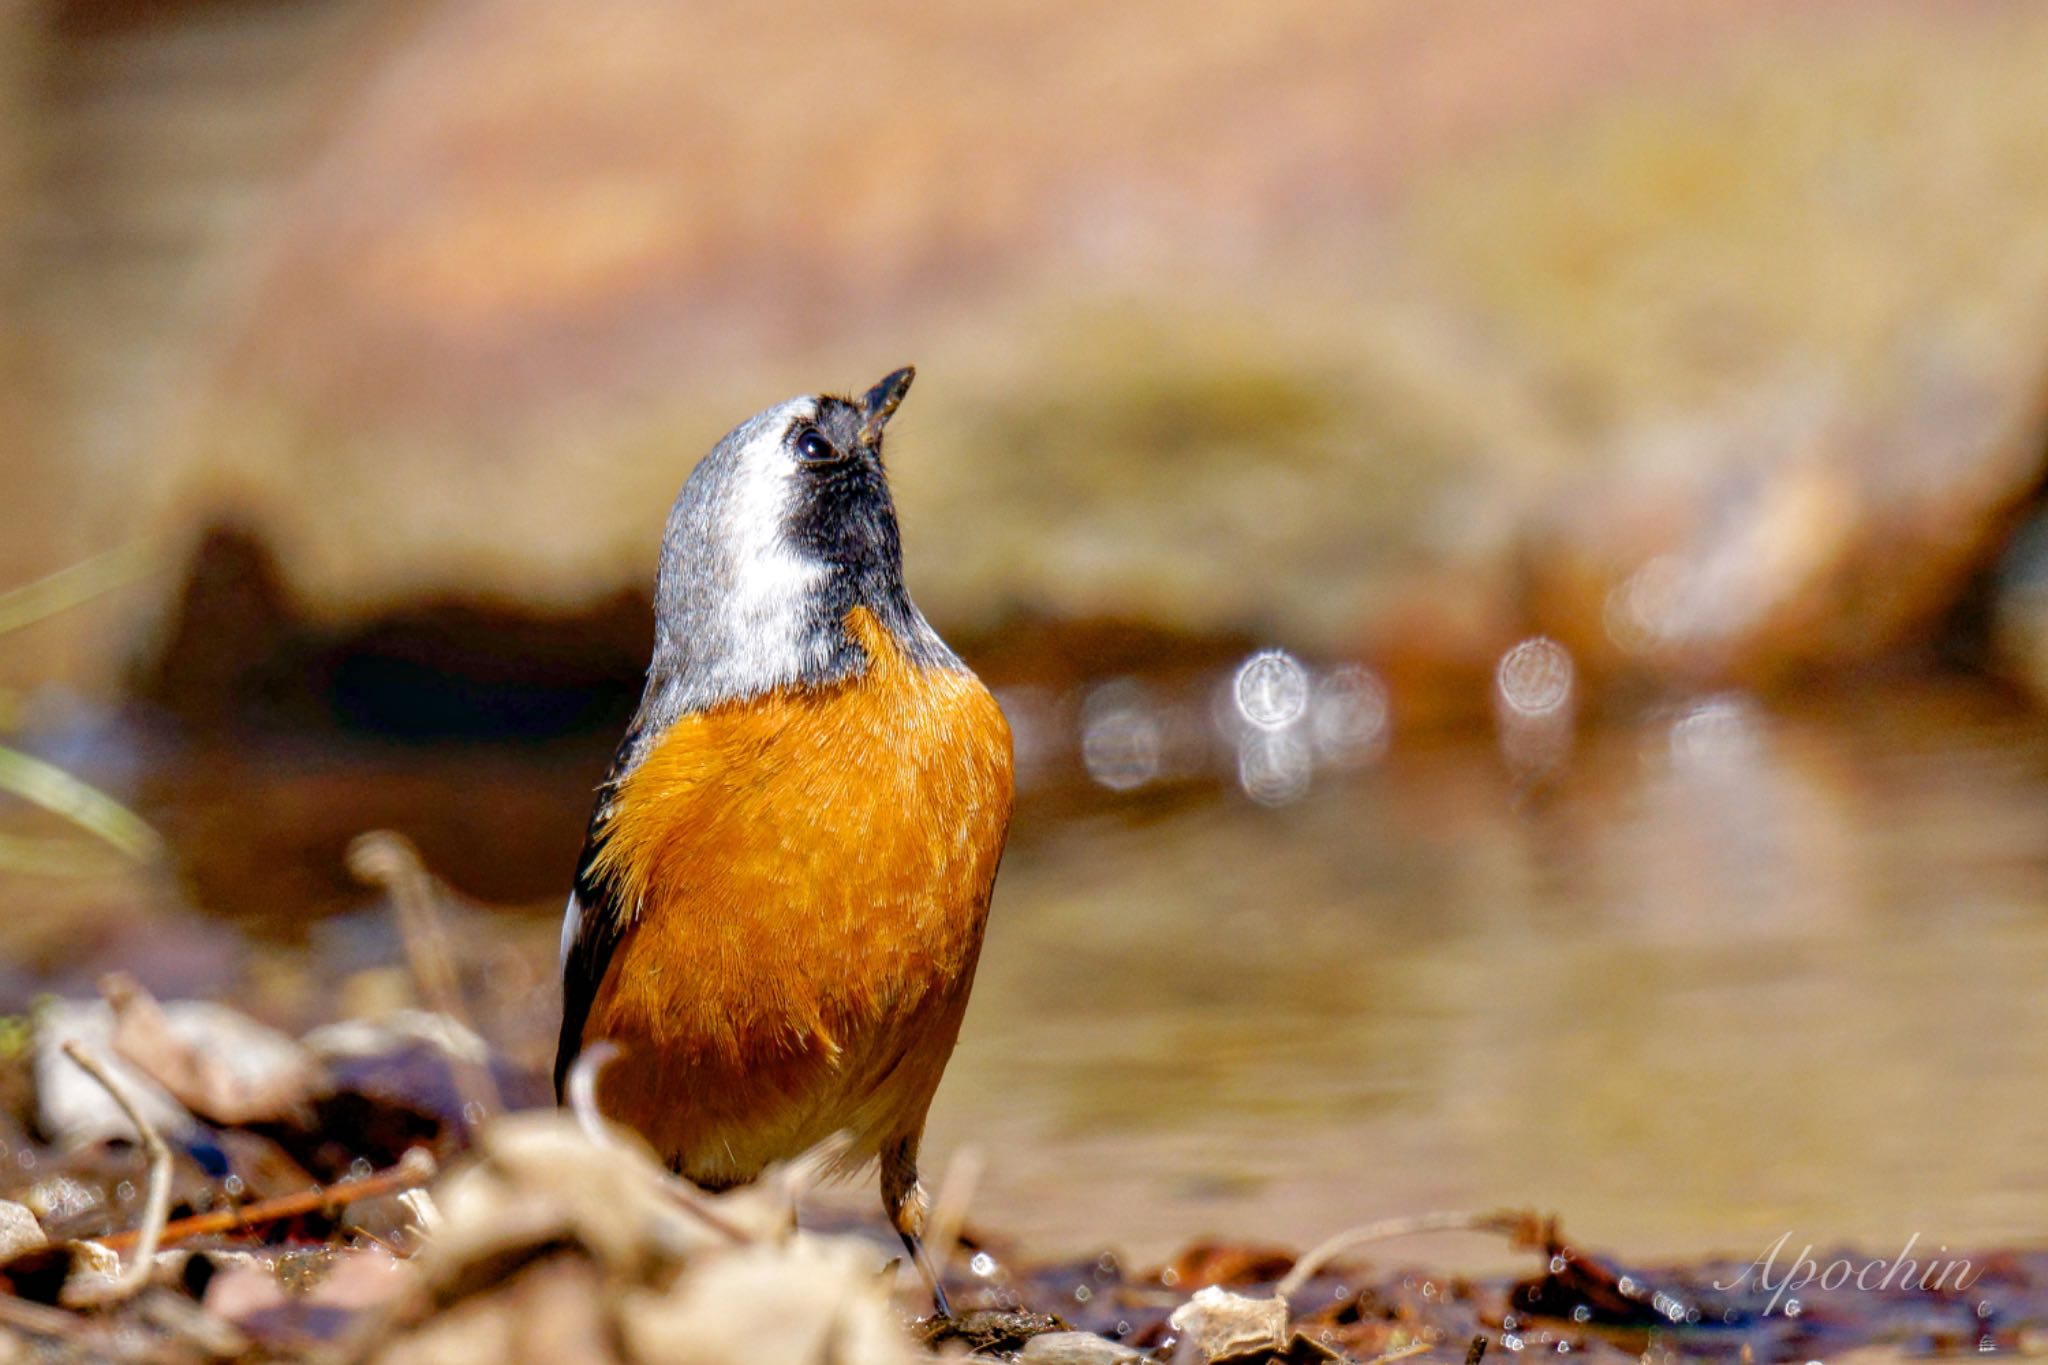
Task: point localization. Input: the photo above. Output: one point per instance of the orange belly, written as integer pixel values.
(805, 876)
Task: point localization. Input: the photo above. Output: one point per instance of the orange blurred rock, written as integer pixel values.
(1825, 548)
(551, 254)
(1496, 303)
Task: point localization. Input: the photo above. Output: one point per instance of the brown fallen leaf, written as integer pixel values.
(548, 1233)
(1202, 1264)
(217, 1062)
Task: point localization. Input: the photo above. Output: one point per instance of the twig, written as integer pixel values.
(1413, 1348)
(83, 804)
(582, 1096)
(156, 1208)
(415, 1168)
(382, 858)
(1514, 1225)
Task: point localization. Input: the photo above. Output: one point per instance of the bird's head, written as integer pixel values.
(785, 527)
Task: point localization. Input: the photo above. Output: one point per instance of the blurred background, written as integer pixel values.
(1510, 537)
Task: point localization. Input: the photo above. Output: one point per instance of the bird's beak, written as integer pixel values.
(880, 403)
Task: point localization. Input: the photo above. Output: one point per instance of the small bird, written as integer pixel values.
(780, 902)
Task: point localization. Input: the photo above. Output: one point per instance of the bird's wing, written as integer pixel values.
(590, 932)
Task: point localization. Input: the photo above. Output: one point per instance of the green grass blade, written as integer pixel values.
(83, 804)
(73, 584)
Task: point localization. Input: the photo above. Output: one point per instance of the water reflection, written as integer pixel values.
(1269, 700)
(1273, 767)
(1534, 706)
(1718, 736)
(1270, 690)
(1121, 737)
(1348, 717)
(1267, 726)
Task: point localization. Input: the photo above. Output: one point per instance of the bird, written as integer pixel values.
(784, 883)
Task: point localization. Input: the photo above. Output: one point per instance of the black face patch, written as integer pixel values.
(843, 517)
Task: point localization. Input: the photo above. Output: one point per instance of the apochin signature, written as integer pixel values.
(1900, 1272)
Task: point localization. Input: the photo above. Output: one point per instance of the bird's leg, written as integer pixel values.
(903, 1200)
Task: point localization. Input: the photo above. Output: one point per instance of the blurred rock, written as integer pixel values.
(1077, 1348)
(94, 1269)
(1846, 539)
(1722, 377)
(1793, 319)
(1216, 1324)
(19, 1230)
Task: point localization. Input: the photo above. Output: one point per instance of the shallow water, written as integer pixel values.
(1736, 970)
(1739, 972)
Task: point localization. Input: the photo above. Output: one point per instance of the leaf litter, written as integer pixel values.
(179, 1182)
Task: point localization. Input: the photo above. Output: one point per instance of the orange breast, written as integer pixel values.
(806, 875)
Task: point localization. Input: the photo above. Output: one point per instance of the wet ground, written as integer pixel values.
(1731, 970)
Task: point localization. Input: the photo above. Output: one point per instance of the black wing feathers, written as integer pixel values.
(597, 929)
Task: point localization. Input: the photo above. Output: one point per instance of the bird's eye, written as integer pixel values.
(813, 446)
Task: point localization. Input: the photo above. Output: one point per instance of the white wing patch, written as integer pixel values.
(572, 926)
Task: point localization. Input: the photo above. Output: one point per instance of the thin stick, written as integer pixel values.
(582, 1095)
(415, 1168)
(382, 858)
(1305, 1269)
(156, 1208)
